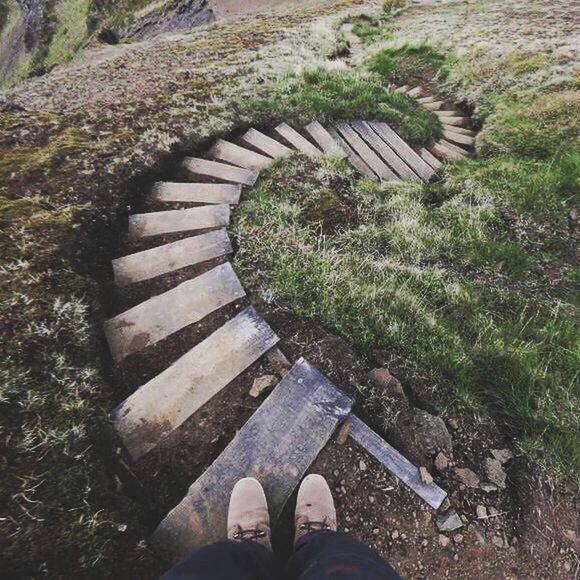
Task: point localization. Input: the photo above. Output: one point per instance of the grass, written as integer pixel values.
(4, 10)
(331, 95)
(412, 278)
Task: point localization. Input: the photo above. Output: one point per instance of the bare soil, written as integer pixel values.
(227, 7)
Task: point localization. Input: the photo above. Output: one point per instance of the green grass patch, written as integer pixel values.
(406, 63)
(382, 279)
(329, 96)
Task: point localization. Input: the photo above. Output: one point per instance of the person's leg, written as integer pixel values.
(320, 551)
(247, 555)
(225, 561)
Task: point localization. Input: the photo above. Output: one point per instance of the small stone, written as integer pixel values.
(262, 384)
(467, 477)
(376, 531)
(478, 532)
(567, 566)
(445, 505)
(481, 512)
(495, 473)
(395, 534)
(343, 433)
(425, 543)
(497, 541)
(426, 477)
(453, 424)
(488, 487)
(449, 521)
(502, 455)
(443, 540)
(441, 462)
(362, 465)
(492, 511)
(458, 538)
(371, 499)
(121, 527)
(383, 379)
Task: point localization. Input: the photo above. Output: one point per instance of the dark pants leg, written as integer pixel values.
(336, 556)
(227, 560)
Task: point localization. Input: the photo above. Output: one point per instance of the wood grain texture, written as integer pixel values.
(160, 316)
(158, 223)
(389, 155)
(170, 257)
(266, 144)
(236, 155)
(297, 140)
(324, 139)
(459, 138)
(440, 150)
(404, 150)
(366, 153)
(166, 401)
(276, 446)
(355, 160)
(395, 462)
(221, 171)
(429, 158)
(217, 193)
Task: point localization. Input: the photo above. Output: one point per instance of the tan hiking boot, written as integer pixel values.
(248, 518)
(314, 507)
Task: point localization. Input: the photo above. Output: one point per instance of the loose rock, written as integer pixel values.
(497, 541)
(467, 476)
(495, 472)
(443, 540)
(478, 532)
(426, 477)
(488, 487)
(453, 424)
(458, 538)
(343, 433)
(502, 455)
(384, 380)
(481, 512)
(362, 465)
(262, 384)
(449, 521)
(441, 462)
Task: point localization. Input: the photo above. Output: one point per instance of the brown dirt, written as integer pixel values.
(227, 7)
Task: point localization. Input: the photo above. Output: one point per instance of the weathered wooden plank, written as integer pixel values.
(366, 153)
(455, 121)
(166, 401)
(426, 99)
(381, 147)
(236, 155)
(296, 139)
(438, 149)
(197, 192)
(144, 225)
(220, 171)
(459, 150)
(416, 92)
(161, 316)
(324, 139)
(404, 151)
(276, 446)
(355, 160)
(170, 257)
(430, 158)
(448, 114)
(434, 106)
(455, 129)
(459, 138)
(266, 144)
(395, 462)
(402, 89)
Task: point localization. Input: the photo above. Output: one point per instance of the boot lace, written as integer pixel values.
(314, 526)
(248, 535)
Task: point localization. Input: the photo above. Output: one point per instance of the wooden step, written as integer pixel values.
(395, 462)
(170, 257)
(381, 147)
(457, 129)
(221, 171)
(402, 89)
(427, 99)
(167, 192)
(430, 158)
(403, 150)
(324, 139)
(435, 106)
(355, 160)
(445, 153)
(236, 155)
(459, 138)
(455, 121)
(416, 92)
(366, 153)
(296, 139)
(445, 114)
(161, 316)
(144, 225)
(459, 150)
(165, 402)
(276, 446)
(266, 144)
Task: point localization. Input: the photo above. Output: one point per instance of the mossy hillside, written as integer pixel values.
(64, 178)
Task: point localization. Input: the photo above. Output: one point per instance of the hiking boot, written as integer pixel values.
(314, 507)
(248, 519)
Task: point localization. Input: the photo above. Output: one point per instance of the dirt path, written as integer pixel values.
(226, 7)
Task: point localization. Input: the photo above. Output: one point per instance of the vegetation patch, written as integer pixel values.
(332, 95)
